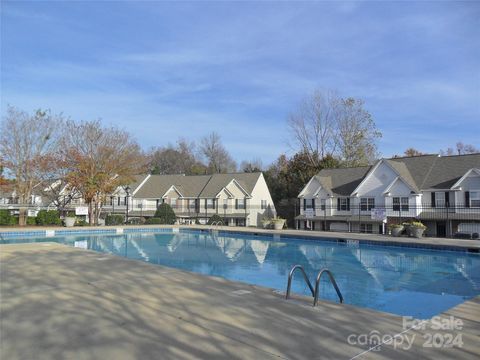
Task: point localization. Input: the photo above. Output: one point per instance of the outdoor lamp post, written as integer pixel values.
(127, 191)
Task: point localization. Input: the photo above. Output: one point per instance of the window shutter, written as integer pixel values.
(304, 204)
(338, 204)
(348, 204)
(433, 199)
(236, 203)
(313, 204)
(206, 203)
(447, 199)
(467, 199)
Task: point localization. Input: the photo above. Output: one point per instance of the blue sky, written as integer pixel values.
(162, 70)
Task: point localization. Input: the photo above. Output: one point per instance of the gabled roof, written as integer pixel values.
(447, 170)
(218, 181)
(137, 181)
(204, 186)
(157, 185)
(342, 181)
(418, 172)
(404, 174)
(459, 182)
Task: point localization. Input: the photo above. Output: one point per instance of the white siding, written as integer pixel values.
(260, 192)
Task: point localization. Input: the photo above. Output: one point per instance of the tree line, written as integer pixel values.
(52, 155)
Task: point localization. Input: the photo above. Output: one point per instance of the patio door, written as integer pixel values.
(441, 229)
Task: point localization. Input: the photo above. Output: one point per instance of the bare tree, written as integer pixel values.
(179, 159)
(217, 157)
(254, 165)
(99, 160)
(328, 125)
(460, 149)
(410, 152)
(314, 125)
(27, 143)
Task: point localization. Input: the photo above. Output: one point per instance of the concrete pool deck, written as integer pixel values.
(59, 302)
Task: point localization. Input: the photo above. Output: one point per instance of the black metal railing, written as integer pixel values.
(440, 219)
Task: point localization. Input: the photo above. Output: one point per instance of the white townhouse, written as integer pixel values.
(240, 199)
(441, 191)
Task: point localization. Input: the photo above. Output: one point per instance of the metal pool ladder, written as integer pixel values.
(315, 292)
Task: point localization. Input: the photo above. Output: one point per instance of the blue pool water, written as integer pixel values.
(402, 281)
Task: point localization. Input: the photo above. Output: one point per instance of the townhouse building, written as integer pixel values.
(240, 199)
(441, 191)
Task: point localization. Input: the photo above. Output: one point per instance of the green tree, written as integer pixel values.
(287, 177)
(215, 218)
(165, 214)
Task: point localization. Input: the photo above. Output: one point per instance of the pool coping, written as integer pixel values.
(472, 246)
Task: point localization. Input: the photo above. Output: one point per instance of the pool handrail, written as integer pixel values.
(305, 277)
(315, 292)
(332, 280)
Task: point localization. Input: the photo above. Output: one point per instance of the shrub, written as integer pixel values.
(215, 218)
(136, 221)
(48, 217)
(7, 219)
(112, 219)
(153, 220)
(418, 224)
(81, 222)
(166, 214)
(31, 220)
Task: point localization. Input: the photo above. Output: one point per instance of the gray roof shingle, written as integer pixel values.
(193, 186)
(342, 181)
(420, 172)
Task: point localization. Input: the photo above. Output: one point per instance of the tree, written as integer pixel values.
(286, 178)
(99, 160)
(179, 159)
(356, 133)
(251, 166)
(165, 214)
(326, 124)
(217, 157)
(27, 143)
(410, 152)
(460, 149)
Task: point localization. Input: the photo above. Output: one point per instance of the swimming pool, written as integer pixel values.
(398, 280)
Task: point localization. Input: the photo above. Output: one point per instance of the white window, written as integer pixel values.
(240, 203)
(225, 203)
(209, 204)
(474, 198)
(263, 204)
(323, 204)
(367, 204)
(173, 202)
(439, 199)
(400, 203)
(343, 204)
(192, 203)
(307, 203)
